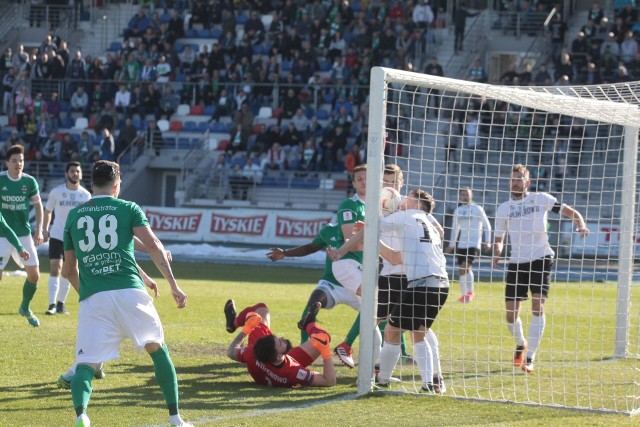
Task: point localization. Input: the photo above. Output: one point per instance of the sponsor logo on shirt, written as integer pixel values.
(301, 374)
(347, 216)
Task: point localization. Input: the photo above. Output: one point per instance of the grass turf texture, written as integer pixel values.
(216, 391)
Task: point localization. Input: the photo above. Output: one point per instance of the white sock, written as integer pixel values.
(424, 359)
(463, 284)
(377, 345)
(71, 371)
(389, 357)
(516, 330)
(54, 285)
(175, 420)
(63, 292)
(536, 329)
(432, 340)
(469, 281)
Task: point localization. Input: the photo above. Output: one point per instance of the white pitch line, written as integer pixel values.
(260, 412)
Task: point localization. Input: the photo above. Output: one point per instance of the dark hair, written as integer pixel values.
(265, 349)
(14, 149)
(72, 164)
(424, 199)
(104, 173)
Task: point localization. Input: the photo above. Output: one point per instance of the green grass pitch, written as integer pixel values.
(215, 391)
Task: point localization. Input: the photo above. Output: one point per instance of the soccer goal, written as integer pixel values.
(580, 144)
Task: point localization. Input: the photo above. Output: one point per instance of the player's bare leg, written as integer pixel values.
(515, 327)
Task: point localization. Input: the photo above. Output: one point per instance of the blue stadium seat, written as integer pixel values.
(165, 17)
(322, 114)
(192, 33)
(218, 127)
(241, 19)
(204, 33)
(137, 123)
(324, 66)
(216, 33)
(209, 110)
(115, 47)
(203, 126)
(286, 66)
(184, 143)
(190, 126)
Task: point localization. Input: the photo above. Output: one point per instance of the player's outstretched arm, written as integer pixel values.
(576, 217)
(276, 254)
(8, 233)
(387, 252)
(348, 246)
(159, 256)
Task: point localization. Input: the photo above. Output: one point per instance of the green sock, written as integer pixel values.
(81, 388)
(28, 290)
(353, 332)
(381, 326)
(304, 336)
(403, 345)
(166, 377)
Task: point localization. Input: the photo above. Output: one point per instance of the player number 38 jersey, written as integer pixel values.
(101, 234)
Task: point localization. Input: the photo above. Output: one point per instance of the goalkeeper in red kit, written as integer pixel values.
(271, 360)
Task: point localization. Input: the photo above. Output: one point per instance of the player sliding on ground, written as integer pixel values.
(524, 217)
(271, 360)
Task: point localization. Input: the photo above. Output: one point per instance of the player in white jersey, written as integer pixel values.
(470, 223)
(524, 217)
(389, 280)
(422, 291)
(61, 200)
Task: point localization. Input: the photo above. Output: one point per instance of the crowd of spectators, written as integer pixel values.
(228, 57)
(308, 54)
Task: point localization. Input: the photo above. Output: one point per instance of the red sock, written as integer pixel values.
(312, 328)
(243, 314)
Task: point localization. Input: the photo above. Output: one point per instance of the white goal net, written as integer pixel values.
(580, 145)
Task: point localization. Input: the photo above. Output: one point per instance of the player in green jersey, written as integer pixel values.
(114, 305)
(17, 191)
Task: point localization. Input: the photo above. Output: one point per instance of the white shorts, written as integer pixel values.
(349, 273)
(105, 319)
(338, 295)
(7, 250)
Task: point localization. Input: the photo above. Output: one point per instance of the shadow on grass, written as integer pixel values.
(236, 273)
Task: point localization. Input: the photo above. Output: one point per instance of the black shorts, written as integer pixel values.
(390, 290)
(56, 249)
(534, 276)
(467, 255)
(420, 307)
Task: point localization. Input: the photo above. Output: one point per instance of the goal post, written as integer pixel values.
(586, 138)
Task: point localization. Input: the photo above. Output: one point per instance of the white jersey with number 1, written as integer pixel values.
(421, 244)
(61, 201)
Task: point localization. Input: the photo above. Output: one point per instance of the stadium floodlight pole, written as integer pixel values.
(627, 239)
(375, 163)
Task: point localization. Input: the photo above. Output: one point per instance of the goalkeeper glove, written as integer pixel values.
(252, 320)
(320, 341)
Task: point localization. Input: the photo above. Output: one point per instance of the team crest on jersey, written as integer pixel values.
(24, 189)
(301, 374)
